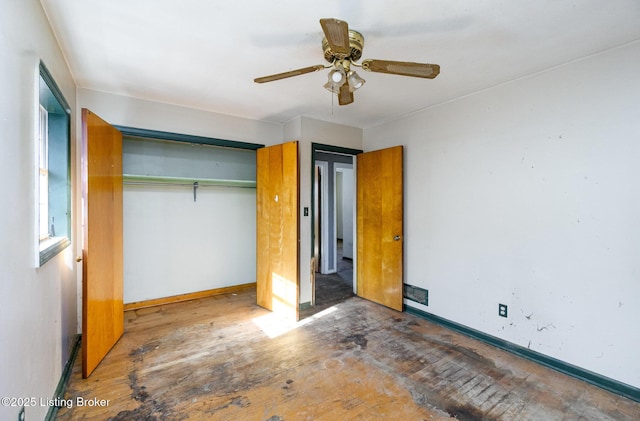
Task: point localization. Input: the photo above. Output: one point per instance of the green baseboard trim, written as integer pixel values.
(304, 306)
(64, 379)
(590, 377)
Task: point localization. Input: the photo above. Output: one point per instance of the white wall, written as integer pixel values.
(527, 194)
(37, 306)
(133, 112)
(347, 210)
(307, 131)
(173, 245)
(339, 205)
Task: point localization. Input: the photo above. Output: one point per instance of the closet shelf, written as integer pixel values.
(134, 179)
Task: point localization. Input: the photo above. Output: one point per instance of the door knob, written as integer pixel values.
(79, 259)
(396, 238)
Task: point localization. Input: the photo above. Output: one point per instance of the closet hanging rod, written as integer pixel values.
(141, 183)
(130, 179)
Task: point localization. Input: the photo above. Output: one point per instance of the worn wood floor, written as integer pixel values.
(332, 289)
(224, 358)
(335, 287)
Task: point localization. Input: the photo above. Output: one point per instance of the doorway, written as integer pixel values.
(333, 226)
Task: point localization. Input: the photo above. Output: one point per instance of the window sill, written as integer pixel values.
(50, 247)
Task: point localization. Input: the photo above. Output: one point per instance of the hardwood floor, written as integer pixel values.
(335, 287)
(224, 358)
(332, 289)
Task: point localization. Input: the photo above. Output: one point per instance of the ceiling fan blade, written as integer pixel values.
(345, 96)
(291, 73)
(337, 34)
(404, 68)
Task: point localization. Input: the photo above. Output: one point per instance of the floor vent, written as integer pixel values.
(417, 294)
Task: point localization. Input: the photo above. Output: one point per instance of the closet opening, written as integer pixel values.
(189, 216)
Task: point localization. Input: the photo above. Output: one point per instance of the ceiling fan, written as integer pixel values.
(343, 48)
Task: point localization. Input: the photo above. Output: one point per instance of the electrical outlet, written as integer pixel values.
(21, 414)
(502, 310)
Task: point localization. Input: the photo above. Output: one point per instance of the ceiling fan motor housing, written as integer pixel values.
(356, 42)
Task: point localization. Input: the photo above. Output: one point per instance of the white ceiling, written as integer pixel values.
(205, 54)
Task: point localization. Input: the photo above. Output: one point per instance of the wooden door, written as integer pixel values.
(102, 270)
(379, 226)
(277, 195)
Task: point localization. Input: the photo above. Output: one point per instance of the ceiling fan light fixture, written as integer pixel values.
(331, 87)
(355, 81)
(337, 77)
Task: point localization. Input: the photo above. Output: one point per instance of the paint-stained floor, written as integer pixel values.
(224, 358)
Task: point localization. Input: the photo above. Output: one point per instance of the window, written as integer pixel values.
(44, 174)
(53, 179)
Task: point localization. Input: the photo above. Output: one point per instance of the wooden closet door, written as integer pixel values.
(277, 208)
(102, 270)
(380, 226)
